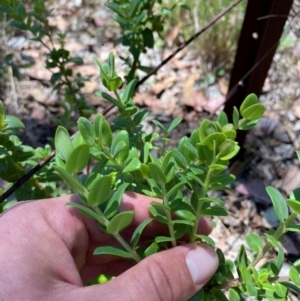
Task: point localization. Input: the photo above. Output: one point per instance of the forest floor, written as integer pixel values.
(177, 90)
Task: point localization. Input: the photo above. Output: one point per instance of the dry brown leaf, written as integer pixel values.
(214, 105)
(195, 99)
(164, 84)
(142, 98)
(58, 22)
(90, 86)
(223, 85)
(39, 72)
(189, 84)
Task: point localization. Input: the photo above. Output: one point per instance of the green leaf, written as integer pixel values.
(219, 295)
(279, 259)
(251, 289)
(102, 131)
(156, 173)
(226, 147)
(212, 200)
(295, 205)
(222, 119)
(158, 214)
(246, 276)
(293, 228)
(246, 125)
(295, 194)
(109, 250)
(179, 158)
(111, 63)
(71, 181)
(115, 200)
(185, 211)
(120, 154)
(160, 239)
(78, 159)
(206, 239)
(175, 189)
(138, 232)
(87, 212)
(232, 154)
(175, 122)
(108, 98)
(140, 116)
(279, 203)
(273, 241)
(146, 150)
(235, 117)
(133, 165)
(234, 295)
(202, 129)
(120, 222)
(76, 59)
(230, 134)
(214, 139)
(254, 242)
(294, 275)
(280, 290)
(100, 191)
(13, 122)
(291, 286)
(128, 92)
(55, 77)
(242, 259)
(215, 211)
(254, 112)
(159, 125)
(249, 101)
(86, 130)
(221, 180)
(152, 249)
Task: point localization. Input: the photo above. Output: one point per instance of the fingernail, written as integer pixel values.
(202, 263)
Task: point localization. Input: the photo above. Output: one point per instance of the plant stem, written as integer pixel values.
(125, 245)
(169, 217)
(278, 233)
(203, 193)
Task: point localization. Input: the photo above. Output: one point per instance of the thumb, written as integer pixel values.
(174, 274)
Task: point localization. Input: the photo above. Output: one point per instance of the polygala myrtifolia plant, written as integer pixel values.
(124, 158)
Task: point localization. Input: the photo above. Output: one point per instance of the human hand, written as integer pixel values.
(47, 249)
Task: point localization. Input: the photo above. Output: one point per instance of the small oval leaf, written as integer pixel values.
(120, 222)
(78, 159)
(100, 191)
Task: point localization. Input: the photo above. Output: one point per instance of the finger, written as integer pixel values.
(174, 274)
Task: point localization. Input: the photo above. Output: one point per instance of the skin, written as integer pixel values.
(46, 253)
